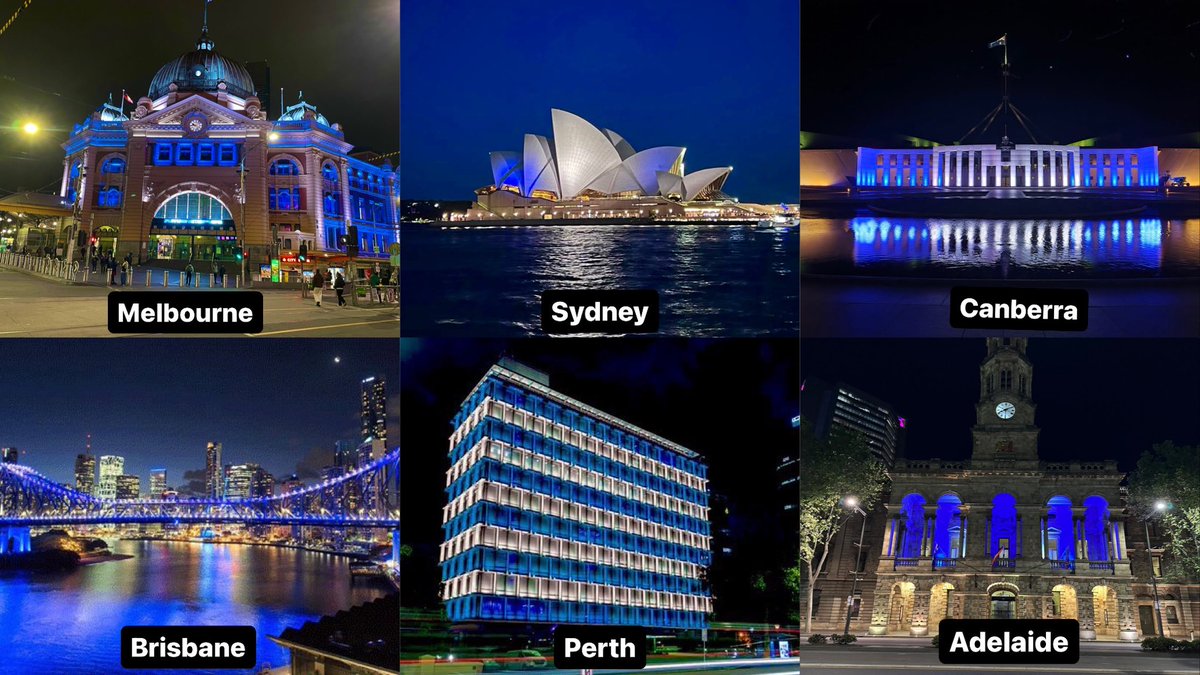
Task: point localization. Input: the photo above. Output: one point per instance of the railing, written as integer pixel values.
(944, 563)
(1068, 565)
(906, 562)
(1004, 564)
(42, 265)
(1102, 565)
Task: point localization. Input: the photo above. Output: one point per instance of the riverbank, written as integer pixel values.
(298, 547)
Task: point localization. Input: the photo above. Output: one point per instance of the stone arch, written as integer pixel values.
(103, 159)
(1060, 528)
(900, 606)
(1096, 530)
(285, 156)
(1105, 610)
(228, 200)
(941, 604)
(912, 541)
(1064, 602)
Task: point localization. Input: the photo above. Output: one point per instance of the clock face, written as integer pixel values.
(1005, 410)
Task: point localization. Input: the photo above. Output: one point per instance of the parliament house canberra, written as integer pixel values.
(1003, 534)
(197, 171)
(591, 174)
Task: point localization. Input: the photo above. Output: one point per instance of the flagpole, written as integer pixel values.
(122, 103)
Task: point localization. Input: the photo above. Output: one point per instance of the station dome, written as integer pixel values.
(202, 69)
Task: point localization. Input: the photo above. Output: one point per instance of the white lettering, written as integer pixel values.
(570, 645)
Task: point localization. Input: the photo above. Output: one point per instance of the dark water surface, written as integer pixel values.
(71, 622)
(713, 280)
(1001, 249)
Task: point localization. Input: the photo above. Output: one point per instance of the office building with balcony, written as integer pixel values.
(561, 513)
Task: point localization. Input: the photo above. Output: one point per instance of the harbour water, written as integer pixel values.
(713, 280)
(999, 249)
(71, 622)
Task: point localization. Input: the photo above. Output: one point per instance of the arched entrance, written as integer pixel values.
(1065, 602)
(1104, 607)
(1003, 605)
(106, 239)
(193, 223)
(901, 607)
(940, 604)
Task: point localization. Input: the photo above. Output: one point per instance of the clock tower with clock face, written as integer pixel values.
(1004, 433)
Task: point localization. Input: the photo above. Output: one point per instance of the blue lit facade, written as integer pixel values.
(560, 513)
(1022, 166)
(201, 134)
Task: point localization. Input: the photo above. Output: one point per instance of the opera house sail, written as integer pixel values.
(588, 174)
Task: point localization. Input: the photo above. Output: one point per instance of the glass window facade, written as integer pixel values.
(560, 513)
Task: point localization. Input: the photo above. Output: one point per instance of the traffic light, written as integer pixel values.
(238, 254)
(303, 252)
(352, 241)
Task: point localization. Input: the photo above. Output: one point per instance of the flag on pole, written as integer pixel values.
(996, 557)
(126, 96)
(999, 43)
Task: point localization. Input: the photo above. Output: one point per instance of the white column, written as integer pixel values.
(1077, 162)
(970, 168)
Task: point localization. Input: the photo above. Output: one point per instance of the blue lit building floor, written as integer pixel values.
(875, 307)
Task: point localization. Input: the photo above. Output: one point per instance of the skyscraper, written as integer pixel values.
(343, 453)
(85, 473)
(111, 466)
(559, 512)
(262, 484)
(214, 478)
(239, 480)
(374, 409)
(158, 483)
(129, 486)
(841, 405)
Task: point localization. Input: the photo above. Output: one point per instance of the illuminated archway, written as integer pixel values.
(948, 534)
(940, 604)
(1095, 529)
(1060, 529)
(193, 222)
(912, 510)
(1005, 538)
(1105, 610)
(900, 607)
(1065, 604)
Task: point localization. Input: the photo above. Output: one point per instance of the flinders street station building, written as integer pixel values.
(196, 169)
(1003, 534)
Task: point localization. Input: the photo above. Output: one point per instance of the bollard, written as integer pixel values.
(166, 276)
(237, 282)
(224, 281)
(108, 277)
(211, 279)
(147, 278)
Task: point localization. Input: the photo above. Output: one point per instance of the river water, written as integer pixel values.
(71, 622)
(1001, 249)
(713, 280)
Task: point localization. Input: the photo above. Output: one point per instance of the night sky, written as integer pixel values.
(717, 77)
(1096, 399)
(729, 400)
(1080, 69)
(59, 61)
(278, 402)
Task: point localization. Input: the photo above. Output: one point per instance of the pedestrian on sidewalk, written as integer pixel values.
(375, 285)
(221, 274)
(191, 272)
(318, 285)
(339, 286)
(125, 271)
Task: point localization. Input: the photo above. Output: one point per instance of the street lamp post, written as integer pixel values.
(242, 192)
(852, 502)
(1160, 505)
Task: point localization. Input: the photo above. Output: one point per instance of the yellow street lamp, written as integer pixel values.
(30, 128)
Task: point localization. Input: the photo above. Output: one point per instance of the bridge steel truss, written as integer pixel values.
(29, 499)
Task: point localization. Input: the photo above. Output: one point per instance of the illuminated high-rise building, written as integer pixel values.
(262, 483)
(129, 486)
(85, 473)
(561, 513)
(373, 412)
(239, 480)
(158, 483)
(111, 466)
(214, 478)
(343, 453)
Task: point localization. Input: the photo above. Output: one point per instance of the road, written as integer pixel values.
(1098, 658)
(31, 306)
(747, 666)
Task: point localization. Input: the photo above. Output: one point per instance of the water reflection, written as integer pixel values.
(1004, 248)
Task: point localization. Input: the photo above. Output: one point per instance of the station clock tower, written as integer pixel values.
(1004, 434)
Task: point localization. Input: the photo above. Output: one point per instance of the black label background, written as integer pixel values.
(1024, 296)
(180, 299)
(596, 634)
(1068, 628)
(243, 634)
(614, 298)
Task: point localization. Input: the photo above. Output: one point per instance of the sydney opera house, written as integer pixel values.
(587, 173)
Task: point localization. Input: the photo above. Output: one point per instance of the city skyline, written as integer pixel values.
(322, 408)
(733, 103)
(59, 88)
